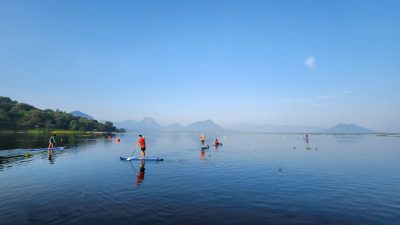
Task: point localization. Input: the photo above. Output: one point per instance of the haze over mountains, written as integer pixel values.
(340, 128)
(148, 123)
(348, 128)
(209, 125)
(274, 128)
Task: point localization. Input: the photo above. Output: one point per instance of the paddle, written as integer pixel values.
(133, 167)
(134, 151)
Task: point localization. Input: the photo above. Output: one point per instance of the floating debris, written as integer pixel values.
(28, 155)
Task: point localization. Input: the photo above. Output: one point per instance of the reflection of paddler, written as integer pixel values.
(50, 154)
(140, 176)
(203, 154)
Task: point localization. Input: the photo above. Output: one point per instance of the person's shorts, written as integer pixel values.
(143, 149)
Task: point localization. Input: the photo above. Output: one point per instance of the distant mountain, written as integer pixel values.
(268, 128)
(150, 124)
(127, 124)
(174, 127)
(81, 114)
(348, 128)
(146, 123)
(208, 125)
(203, 125)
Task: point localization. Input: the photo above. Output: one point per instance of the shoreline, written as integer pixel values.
(44, 131)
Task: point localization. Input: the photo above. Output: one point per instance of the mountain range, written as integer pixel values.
(268, 128)
(208, 125)
(348, 128)
(148, 123)
(340, 128)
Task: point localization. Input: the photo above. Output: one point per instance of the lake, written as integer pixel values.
(251, 179)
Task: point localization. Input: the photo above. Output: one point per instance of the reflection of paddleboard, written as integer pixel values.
(137, 158)
(43, 149)
(205, 147)
(219, 144)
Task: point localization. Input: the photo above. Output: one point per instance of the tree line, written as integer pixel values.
(21, 116)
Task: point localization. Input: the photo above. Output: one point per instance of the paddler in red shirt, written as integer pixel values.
(142, 144)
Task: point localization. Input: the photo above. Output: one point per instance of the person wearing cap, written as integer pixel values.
(202, 139)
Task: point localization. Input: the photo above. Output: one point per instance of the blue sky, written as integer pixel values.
(276, 62)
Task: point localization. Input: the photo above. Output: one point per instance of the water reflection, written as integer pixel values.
(50, 154)
(8, 161)
(29, 141)
(139, 175)
(344, 184)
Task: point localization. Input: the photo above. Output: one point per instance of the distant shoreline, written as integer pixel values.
(389, 134)
(61, 132)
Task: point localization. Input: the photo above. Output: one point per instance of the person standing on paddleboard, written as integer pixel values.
(142, 144)
(216, 142)
(52, 141)
(202, 139)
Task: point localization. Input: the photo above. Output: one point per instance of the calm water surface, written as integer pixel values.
(251, 179)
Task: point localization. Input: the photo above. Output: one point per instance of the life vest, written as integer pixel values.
(142, 142)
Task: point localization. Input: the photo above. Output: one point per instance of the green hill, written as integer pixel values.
(21, 116)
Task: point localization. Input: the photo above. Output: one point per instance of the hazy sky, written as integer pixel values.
(276, 62)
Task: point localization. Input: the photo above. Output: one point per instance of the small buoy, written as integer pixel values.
(118, 139)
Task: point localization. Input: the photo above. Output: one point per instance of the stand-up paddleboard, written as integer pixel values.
(145, 159)
(219, 144)
(43, 149)
(205, 147)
